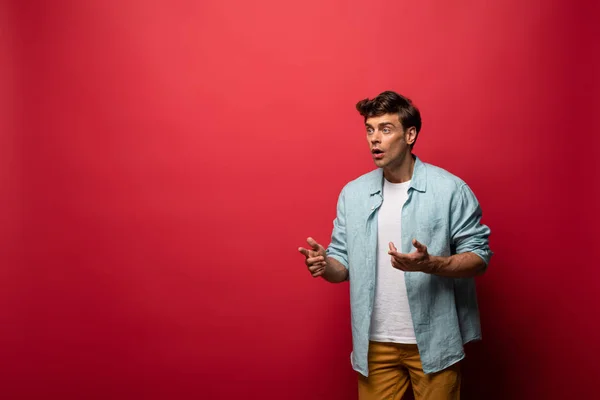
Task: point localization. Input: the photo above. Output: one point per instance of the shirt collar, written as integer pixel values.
(417, 182)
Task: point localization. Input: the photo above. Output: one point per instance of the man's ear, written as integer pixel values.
(410, 135)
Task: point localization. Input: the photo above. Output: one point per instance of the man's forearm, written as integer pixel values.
(465, 265)
(335, 272)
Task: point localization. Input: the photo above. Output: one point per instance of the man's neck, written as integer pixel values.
(402, 172)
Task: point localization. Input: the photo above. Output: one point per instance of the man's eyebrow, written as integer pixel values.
(380, 125)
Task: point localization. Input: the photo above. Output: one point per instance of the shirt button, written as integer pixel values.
(372, 207)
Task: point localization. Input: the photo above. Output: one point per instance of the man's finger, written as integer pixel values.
(304, 251)
(392, 247)
(398, 265)
(313, 243)
(399, 256)
(418, 245)
(315, 260)
(316, 269)
(318, 274)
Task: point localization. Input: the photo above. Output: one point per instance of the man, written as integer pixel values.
(408, 237)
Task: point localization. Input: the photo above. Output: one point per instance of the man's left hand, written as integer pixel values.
(417, 261)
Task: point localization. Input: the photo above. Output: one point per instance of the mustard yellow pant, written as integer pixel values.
(393, 366)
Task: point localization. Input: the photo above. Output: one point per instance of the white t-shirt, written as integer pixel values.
(391, 320)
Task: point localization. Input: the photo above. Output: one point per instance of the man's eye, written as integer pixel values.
(386, 130)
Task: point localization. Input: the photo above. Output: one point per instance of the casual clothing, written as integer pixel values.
(442, 213)
(391, 320)
(392, 366)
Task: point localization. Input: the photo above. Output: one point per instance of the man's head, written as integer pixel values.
(393, 124)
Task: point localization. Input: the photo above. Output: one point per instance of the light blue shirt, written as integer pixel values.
(442, 213)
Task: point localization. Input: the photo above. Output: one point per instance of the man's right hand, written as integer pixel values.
(316, 258)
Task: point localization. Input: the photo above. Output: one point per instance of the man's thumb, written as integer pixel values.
(313, 243)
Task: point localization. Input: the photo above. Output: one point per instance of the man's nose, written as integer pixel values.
(375, 137)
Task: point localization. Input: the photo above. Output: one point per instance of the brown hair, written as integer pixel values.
(391, 103)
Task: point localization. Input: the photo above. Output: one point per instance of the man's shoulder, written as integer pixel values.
(442, 178)
(365, 181)
(437, 177)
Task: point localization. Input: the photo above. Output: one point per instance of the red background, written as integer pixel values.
(162, 161)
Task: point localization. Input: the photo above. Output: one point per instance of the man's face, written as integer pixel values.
(388, 140)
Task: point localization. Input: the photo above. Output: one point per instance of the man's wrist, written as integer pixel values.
(437, 264)
(334, 270)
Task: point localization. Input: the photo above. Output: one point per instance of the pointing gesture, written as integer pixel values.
(315, 258)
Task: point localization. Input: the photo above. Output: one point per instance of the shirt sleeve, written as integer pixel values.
(337, 247)
(468, 233)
